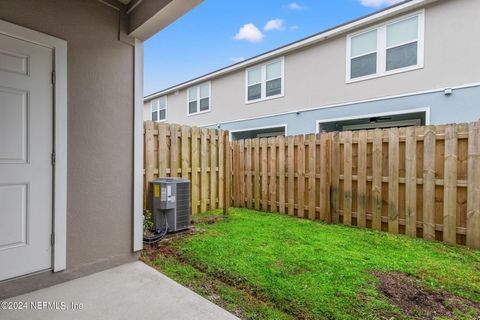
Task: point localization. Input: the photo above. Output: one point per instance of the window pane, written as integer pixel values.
(192, 107)
(254, 92)
(274, 70)
(204, 104)
(192, 94)
(163, 114)
(204, 90)
(363, 66)
(364, 43)
(162, 102)
(155, 116)
(403, 31)
(254, 76)
(154, 105)
(274, 87)
(401, 57)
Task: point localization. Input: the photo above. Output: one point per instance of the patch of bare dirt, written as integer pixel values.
(209, 219)
(416, 301)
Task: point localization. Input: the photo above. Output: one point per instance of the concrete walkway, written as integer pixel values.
(132, 291)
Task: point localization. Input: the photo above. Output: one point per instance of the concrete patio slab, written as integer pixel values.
(131, 291)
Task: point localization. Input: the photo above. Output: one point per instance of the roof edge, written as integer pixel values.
(296, 45)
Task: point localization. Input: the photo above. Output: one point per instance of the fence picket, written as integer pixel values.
(291, 175)
(347, 177)
(213, 169)
(393, 175)
(450, 186)
(429, 147)
(411, 183)
(312, 147)
(473, 202)
(281, 173)
(248, 172)
(377, 180)
(301, 176)
(257, 181)
(264, 149)
(362, 180)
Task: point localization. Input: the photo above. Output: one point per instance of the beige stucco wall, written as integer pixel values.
(100, 126)
(315, 76)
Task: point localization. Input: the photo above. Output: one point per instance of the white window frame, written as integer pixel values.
(197, 87)
(158, 110)
(263, 67)
(382, 48)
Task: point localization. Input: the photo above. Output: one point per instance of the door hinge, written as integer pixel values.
(52, 239)
(54, 158)
(53, 77)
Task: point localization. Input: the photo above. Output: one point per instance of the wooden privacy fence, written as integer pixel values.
(191, 153)
(419, 181)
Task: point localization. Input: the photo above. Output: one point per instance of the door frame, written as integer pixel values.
(59, 134)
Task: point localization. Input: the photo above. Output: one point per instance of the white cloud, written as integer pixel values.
(236, 59)
(296, 6)
(274, 24)
(379, 3)
(250, 33)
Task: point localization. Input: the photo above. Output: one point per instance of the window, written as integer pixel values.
(199, 99)
(265, 81)
(386, 49)
(159, 109)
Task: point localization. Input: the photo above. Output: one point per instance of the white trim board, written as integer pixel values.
(284, 125)
(373, 115)
(138, 149)
(338, 105)
(60, 134)
(322, 36)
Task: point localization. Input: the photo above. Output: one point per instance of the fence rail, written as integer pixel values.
(191, 153)
(419, 181)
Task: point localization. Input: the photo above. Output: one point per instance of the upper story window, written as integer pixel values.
(265, 81)
(199, 99)
(159, 109)
(386, 49)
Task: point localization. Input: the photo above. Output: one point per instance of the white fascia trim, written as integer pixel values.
(381, 114)
(411, 5)
(284, 125)
(338, 105)
(60, 134)
(138, 149)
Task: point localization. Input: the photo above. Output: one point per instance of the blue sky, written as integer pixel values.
(218, 33)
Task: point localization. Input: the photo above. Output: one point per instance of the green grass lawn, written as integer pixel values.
(271, 266)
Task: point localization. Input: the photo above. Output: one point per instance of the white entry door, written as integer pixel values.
(26, 134)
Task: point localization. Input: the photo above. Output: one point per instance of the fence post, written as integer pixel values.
(228, 173)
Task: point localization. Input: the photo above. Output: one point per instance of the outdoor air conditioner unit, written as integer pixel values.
(170, 204)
